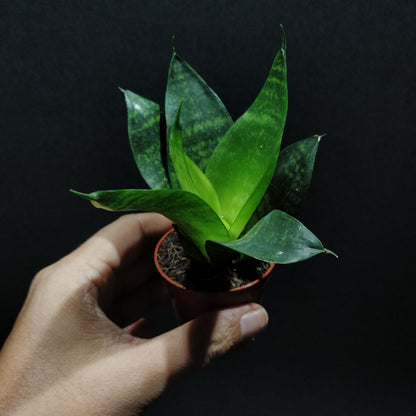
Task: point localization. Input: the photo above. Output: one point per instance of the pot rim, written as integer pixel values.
(179, 286)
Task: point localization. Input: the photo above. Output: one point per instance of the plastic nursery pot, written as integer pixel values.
(189, 304)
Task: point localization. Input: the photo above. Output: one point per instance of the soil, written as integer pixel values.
(202, 276)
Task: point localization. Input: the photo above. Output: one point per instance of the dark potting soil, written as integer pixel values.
(202, 276)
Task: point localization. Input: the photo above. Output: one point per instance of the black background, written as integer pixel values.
(341, 338)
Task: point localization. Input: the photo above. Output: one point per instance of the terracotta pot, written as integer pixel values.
(190, 303)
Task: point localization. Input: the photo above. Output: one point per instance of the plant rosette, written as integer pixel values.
(188, 303)
(226, 186)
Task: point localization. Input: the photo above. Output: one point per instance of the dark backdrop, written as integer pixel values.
(341, 336)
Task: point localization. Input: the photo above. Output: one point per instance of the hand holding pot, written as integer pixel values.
(71, 352)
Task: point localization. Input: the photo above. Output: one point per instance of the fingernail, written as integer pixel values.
(253, 322)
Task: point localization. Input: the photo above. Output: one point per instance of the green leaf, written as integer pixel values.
(243, 164)
(190, 177)
(290, 183)
(204, 118)
(143, 118)
(189, 212)
(276, 238)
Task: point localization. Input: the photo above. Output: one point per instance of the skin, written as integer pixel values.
(79, 346)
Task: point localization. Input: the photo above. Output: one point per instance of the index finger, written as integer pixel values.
(124, 240)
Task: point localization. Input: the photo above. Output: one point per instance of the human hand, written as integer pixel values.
(65, 356)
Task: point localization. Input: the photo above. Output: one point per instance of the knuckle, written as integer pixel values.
(224, 340)
(41, 276)
(130, 218)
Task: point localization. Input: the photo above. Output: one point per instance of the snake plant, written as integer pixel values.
(225, 185)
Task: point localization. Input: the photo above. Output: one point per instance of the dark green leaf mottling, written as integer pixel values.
(190, 177)
(144, 135)
(221, 171)
(244, 162)
(290, 183)
(204, 118)
(189, 212)
(276, 238)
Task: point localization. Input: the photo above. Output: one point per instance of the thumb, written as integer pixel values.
(196, 343)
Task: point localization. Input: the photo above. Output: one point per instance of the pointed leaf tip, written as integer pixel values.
(319, 136)
(173, 44)
(283, 37)
(81, 194)
(326, 251)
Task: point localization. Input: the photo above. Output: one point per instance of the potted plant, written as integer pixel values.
(225, 185)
